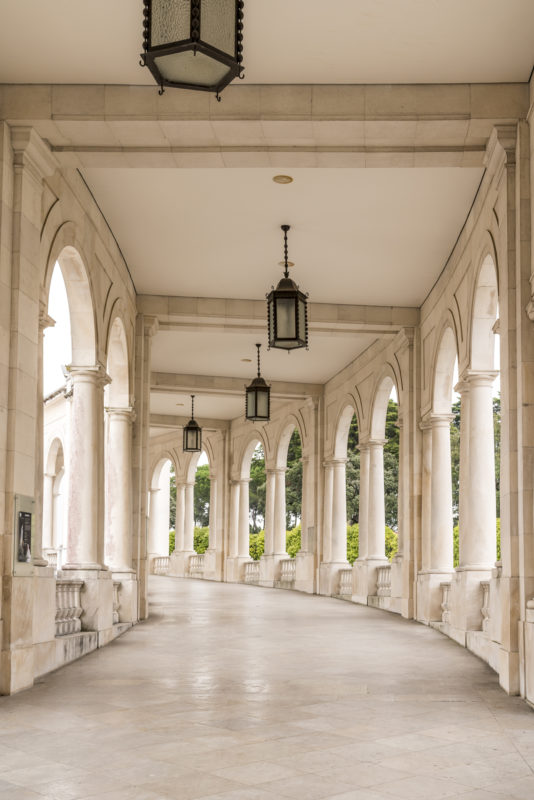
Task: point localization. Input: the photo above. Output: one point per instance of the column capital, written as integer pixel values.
(93, 374)
(275, 470)
(335, 462)
(189, 484)
(45, 320)
(128, 414)
(150, 325)
(431, 420)
(477, 378)
(374, 443)
(31, 152)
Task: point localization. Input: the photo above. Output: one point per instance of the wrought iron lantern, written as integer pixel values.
(193, 44)
(258, 398)
(287, 311)
(192, 432)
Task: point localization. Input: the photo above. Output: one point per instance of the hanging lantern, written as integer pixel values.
(287, 313)
(193, 44)
(258, 398)
(192, 433)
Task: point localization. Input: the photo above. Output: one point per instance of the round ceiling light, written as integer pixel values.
(246, 360)
(289, 263)
(283, 179)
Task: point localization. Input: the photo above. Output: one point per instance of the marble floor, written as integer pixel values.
(232, 692)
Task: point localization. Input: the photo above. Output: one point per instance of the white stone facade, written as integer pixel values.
(99, 457)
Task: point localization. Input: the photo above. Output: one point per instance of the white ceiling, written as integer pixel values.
(221, 354)
(285, 41)
(207, 406)
(362, 236)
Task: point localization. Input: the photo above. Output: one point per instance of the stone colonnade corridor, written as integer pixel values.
(236, 692)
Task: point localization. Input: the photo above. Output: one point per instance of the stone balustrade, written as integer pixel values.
(52, 557)
(68, 606)
(485, 605)
(252, 572)
(288, 570)
(345, 582)
(196, 565)
(116, 601)
(383, 581)
(160, 565)
(445, 602)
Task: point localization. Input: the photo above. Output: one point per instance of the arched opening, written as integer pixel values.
(256, 495)
(160, 533)
(289, 472)
(384, 457)
(117, 453)
(198, 479)
(346, 448)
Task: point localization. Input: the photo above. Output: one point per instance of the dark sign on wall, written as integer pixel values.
(24, 552)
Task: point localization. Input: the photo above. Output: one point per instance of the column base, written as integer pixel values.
(213, 565)
(84, 566)
(305, 570)
(179, 563)
(127, 594)
(270, 568)
(329, 577)
(429, 595)
(365, 579)
(235, 568)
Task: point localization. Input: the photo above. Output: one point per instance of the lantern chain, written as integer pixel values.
(285, 228)
(192, 406)
(258, 346)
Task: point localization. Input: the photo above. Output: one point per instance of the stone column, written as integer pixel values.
(401, 491)
(213, 532)
(118, 540)
(363, 516)
(441, 546)
(426, 493)
(270, 499)
(376, 530)
(327, 511)
(478, 543)
(279, 531)
(45, 321)
(189, 518)
(48, 511)
(304, 544)
(234, 519)
(85, 490)
(338, 551)
(463, 510)
(58, 512)
(243, 542)
(180, 518)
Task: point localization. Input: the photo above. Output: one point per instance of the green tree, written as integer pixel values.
(293, 541)
(172, 503)
(294, 480)
(202, 496)
(391, 465)
(201, 539)
(353, 473)
(256, 545)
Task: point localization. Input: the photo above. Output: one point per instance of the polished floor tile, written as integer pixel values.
(232, 692)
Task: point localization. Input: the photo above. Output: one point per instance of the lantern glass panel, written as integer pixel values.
(251, 403)
(302, 318)
(263, 404)
(197, 70)
(170, 21)
(217, 24)
(192, 439)
(285, 318)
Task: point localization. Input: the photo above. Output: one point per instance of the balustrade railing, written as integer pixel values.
(68, 606)
(345, 582)
(160, 565)
(252, 572)
(383, 581)
(288, 570)
(445, 602)
(116, 601)
(51, 557)
(196, 564)
(485, 605)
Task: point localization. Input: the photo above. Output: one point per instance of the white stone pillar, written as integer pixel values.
(478, 542)
(58, 511)
(234, 519)
(363, 515)
(441, 537)
(327, 511)
(45, 321)
(376, 531)
(279, 530)
(401, 498)
(48, 511)
(85, 470)
(189, 518)
(463, 504)
(304, 512)
(213, 531)
(426, 494)
(339, 511)
(243, 538)
(270, 501)
(179, 519)
(118, 539)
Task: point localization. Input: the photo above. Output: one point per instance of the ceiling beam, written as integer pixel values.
(220, 315)
(166, 382)
(174, 421)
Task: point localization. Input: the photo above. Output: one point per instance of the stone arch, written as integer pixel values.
(292, 423)
(193, 463)
(157, 466)
(379, 405)
(66, 251)
(443, 372)
(54, 450)
(349, 409)
(118, 362)
(484, 309)
(244, 461)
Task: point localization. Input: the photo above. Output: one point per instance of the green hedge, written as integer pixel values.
(201, 540)
(293, 539)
